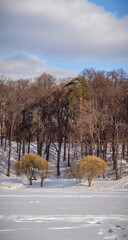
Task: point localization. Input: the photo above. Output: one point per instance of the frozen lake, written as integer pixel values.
(63, 214)
(62, 209)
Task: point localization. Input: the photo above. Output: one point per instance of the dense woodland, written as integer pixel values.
(91, 109)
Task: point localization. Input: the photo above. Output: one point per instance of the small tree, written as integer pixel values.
(31, 165)
(89, 167)
(97, 162)
(90, 171)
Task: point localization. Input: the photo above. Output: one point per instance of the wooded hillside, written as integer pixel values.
(91, 109)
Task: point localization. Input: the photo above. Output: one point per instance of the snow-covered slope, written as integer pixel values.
(14, 182)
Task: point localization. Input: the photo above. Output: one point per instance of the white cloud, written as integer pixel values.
(63, 28)
(27, 66)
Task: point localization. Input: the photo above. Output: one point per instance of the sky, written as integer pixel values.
(62, 37)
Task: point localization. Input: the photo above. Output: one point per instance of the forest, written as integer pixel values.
(90, 110)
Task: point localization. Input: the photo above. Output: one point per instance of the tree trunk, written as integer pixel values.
(1, 134)
(90, 149)
(17, 146)
(65, 145)
(115, 148)
(19, 155)
(9, 157)
(5, 145)
(121, 165)
(19, 152)
(37, 144)
(69, 154)
(48, 150)
(123, 150)
(82, 153)
(104, 151)
(75, 151)
(41, 184)
(89, 182)
(116, 169)
(58, 158)
(98, 142)
(86, 150)
(23, 148)
(98, 147)
(40, 148)
(10, 147)
(29, 146)
(30, 181)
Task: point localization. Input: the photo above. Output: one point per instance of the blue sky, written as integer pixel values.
(62, 37)
(118, 7)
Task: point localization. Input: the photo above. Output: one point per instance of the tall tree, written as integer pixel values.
(77, 91)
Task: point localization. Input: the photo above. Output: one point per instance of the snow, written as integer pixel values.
(67, 213)
(62, 209)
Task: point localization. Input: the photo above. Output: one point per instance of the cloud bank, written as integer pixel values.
(65, 29)
(29, 66)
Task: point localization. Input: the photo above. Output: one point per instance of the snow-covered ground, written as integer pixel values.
(62, 209)
(56, 213)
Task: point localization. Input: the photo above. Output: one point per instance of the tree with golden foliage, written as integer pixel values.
(31, 165)
(89, 167)
(97, 162)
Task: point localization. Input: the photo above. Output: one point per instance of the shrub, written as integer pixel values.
(89, 167)
(90, 171)
(31, 165)
(101, 164)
